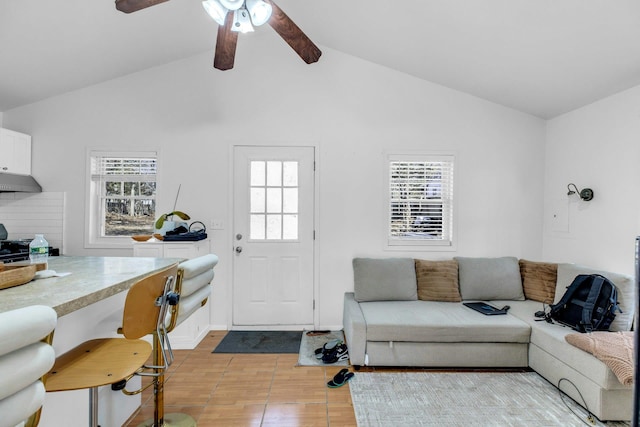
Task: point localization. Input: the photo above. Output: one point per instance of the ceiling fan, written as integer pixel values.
(235, 16)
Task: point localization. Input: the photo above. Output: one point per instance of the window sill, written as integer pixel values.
(420, 247)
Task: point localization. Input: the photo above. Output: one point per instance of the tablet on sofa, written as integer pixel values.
(486, 309)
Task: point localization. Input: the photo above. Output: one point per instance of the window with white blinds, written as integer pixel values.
(122, 194)
(420, 200)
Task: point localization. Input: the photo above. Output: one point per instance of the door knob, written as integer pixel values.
(238, 249)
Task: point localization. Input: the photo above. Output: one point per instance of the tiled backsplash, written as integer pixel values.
(24, 214)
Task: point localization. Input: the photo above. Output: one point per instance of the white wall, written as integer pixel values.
(596, 146)
(353, 110)
(25, 214)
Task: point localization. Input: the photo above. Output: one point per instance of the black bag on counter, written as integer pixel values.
(589, 304)
(182, 234)
(191, 236)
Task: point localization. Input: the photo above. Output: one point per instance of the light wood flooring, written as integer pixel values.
(249, 390)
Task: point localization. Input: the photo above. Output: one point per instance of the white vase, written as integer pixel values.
(166, 226)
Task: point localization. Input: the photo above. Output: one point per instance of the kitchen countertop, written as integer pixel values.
(92, 279)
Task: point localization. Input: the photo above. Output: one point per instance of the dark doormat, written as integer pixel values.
(260, 342)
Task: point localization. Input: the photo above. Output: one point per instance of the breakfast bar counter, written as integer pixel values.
(92, 279)
(89, 302)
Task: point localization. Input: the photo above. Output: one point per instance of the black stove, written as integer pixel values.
(18, 250)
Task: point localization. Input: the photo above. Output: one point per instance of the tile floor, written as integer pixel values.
(249, 390)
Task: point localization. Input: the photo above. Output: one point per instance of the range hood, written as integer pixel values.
(10, 182)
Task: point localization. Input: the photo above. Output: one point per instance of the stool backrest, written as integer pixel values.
(25, 357)
(142, 308)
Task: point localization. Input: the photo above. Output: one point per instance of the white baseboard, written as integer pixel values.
(278, 328)
(186, 343)
(329, 328)
(271, 327)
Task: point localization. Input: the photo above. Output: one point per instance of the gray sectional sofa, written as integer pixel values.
(406, 312)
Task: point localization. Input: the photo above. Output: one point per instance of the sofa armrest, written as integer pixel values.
(355, 329)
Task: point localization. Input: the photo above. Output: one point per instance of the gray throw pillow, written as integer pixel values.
(391, 279)
(490, 279)
(624, 283)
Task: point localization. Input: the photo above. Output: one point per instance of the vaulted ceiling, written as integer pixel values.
(543, 57)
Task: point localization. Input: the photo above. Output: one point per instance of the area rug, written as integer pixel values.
(461, 399)
(311, 341)
(259, 342)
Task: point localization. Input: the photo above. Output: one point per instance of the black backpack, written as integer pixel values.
(589, 304)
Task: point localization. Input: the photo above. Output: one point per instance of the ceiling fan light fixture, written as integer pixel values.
(241, 21)
(232, 4)
(260, 11)
(216, 10)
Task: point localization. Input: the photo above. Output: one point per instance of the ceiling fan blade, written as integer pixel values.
(128, 6)
(225, 45)
(293, 35)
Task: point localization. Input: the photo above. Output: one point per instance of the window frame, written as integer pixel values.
(420, 244)
(93, 220)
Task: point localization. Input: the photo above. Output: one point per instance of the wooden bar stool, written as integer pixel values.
(106, 361)
(25, 336)
(193, 287)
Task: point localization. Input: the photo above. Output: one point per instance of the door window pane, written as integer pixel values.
(257, 173)
(274, 200)
(257, 200)
(290, 174)
(290, 200)
(274, 174)
(257, 227)
(274, 227)
(290, 226)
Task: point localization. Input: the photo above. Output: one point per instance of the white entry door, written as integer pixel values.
(273, 236)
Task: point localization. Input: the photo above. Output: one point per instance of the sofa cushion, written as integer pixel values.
(490, 278)
(523, 310)
(436, 321)
(624, 283)
(438, 280)
(539, 280)
(391, 279)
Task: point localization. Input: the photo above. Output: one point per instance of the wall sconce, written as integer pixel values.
(585, 194)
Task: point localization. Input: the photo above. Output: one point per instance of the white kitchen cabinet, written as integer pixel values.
(160, 249)
(189, 333)
(15, 152)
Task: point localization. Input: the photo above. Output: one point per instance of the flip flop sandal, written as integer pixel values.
(333, 384)
(316, 333)
(339, 377)
(340, 380)
(326, 348)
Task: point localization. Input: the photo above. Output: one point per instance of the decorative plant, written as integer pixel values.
(168, 216)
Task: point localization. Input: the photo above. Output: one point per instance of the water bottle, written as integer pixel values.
(38, 250)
